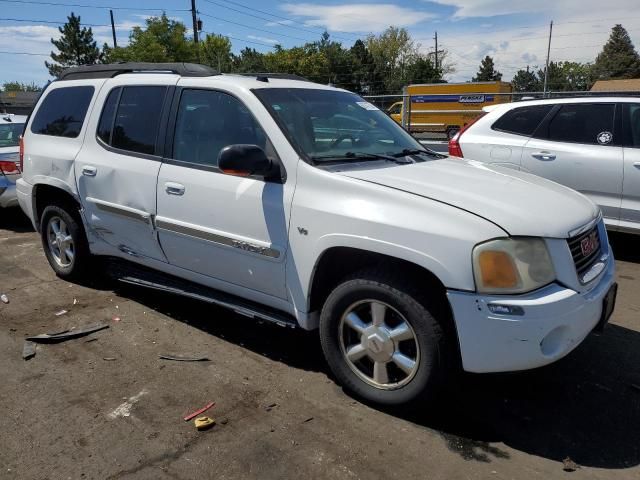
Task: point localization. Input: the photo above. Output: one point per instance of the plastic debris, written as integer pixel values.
(109, 359)
(569, 465)
(60, 313)
(308, 420)
(179, 358)
(203, 423)
(4, 298)
(270, 407)
(198, 412)
(28, 350)
(67, 335)
(116, 319)
(75, 301)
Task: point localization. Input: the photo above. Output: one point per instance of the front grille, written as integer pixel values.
(590, 239)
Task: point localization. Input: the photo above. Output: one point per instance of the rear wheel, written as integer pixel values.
(64, 241)
(382, 341)
(451, 132)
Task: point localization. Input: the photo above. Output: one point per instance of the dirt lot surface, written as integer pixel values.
(105, 406)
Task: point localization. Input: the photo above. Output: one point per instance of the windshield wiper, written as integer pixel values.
(358, 156)
(417, 151)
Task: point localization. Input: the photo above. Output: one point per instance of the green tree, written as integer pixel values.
(393, 51)
(163, 40)
(20, 87)
(487, 71)
(567, 76)
(423, 71)
(364, 75)
(618, 58)
(75, 47)
(216, 51)
(525, 81)
(249, 60)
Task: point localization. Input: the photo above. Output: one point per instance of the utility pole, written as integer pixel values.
(195, 21)
(113, 30)
(436, 39)
(546, 68)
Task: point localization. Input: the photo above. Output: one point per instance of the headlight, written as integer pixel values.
(512, 265)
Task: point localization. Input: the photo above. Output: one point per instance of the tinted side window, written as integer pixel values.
(137, 119)
(632, 124)
(522, 120)
(105, 127)
(590, 124)
(62, 112)
(208, 121)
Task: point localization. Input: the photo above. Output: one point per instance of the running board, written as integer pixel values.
(142, 277)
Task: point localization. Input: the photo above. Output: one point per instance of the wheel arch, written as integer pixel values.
(54, 192)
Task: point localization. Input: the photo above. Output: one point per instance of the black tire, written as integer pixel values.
(78, 268)
(434, 363)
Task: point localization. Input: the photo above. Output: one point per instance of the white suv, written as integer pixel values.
(591, 144)
(305, 205)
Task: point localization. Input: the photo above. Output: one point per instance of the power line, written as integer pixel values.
(253, 28)
(84, 5)
(268, 19)
(50, 21)
(25, 53)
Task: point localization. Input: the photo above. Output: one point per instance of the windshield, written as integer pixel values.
(10, 134)
(326, 124)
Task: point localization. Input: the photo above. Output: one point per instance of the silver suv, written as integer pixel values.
(589, 144)
(11, 127)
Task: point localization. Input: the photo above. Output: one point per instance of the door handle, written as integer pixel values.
(636, 164)
(543, 156)
(89, 171)
(174, 188)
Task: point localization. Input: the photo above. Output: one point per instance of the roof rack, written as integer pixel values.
(109, 70)
(264, 77)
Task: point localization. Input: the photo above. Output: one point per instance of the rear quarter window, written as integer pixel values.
(522, 120)
(62, 112)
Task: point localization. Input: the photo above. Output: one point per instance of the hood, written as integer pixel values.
(518, 202)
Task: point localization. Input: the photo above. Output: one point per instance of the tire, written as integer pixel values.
(428, 347)
(67, 252)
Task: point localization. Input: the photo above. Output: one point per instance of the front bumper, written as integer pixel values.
(555, 320)
(8, 197)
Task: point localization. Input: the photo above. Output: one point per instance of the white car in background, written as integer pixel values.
(11, 127)
(589, 144)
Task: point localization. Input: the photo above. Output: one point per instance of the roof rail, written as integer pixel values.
(264, 77)
(109, 70)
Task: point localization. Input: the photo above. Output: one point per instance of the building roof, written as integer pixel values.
(622, 85)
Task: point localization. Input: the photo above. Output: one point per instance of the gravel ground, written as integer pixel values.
(105, 406)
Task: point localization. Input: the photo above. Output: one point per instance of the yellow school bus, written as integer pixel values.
(446, 107)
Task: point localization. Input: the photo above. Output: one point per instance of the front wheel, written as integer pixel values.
(383, 342)
(64, 241)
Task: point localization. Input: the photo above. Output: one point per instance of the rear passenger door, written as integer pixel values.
(117, 168)
(577, 145)
(503, 143)
(630, 211)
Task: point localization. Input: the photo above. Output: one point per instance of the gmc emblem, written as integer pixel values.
(589, 244)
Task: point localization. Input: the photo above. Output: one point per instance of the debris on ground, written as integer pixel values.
(61, 312)
(109, 359)
(75, 301)
(270, 407)
(67, 334)
(28, 350)
(198, 412)
(308, 420)
(116, 319)
(4, 298)
(569, 465)
(180, 358)
(203, 423)
(224, 421)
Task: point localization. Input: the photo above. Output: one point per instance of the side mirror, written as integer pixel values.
(244, 161)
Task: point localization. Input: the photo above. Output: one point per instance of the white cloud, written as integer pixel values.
(278, 23)
(362, 17)
(263, 39)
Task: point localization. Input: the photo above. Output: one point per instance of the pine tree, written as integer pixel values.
(487, 71)
(525, 81)
(619, 58)
(75, 47)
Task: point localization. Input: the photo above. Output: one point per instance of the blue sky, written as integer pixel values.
(514, 32)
